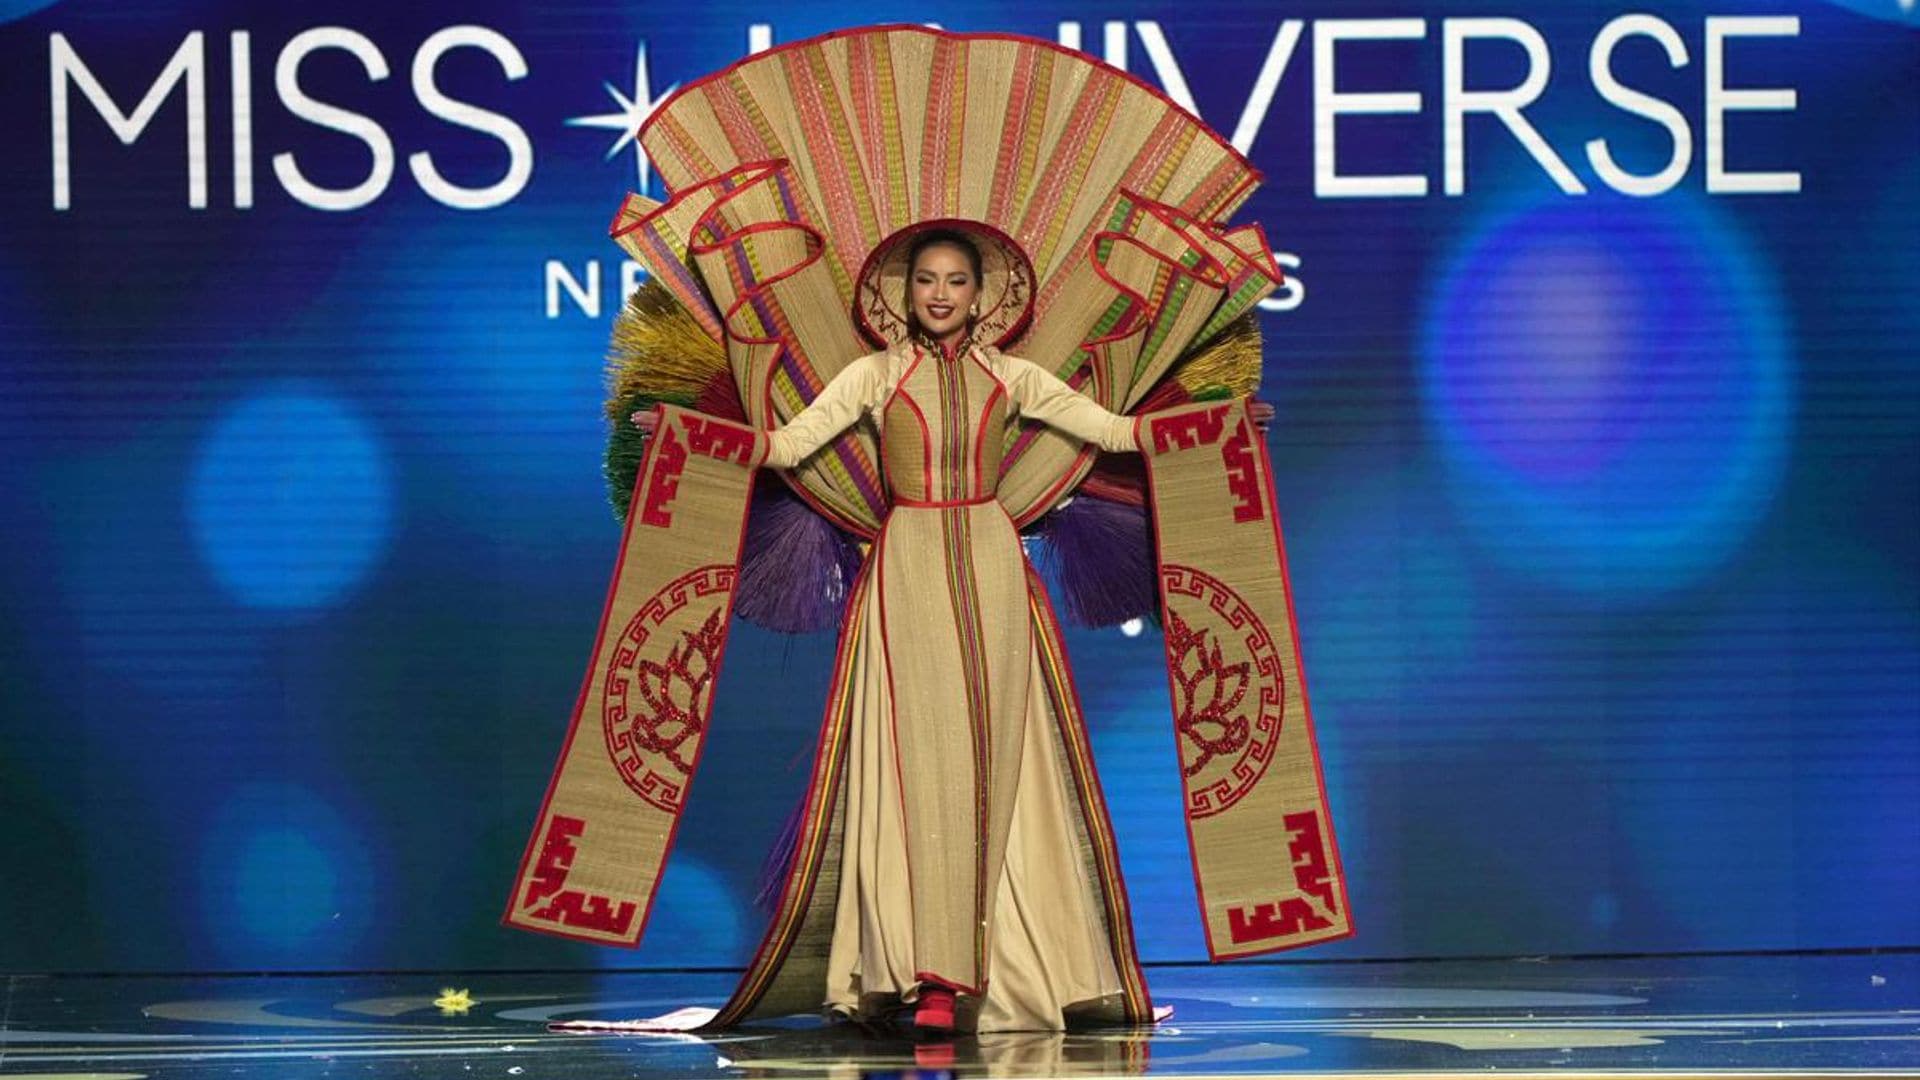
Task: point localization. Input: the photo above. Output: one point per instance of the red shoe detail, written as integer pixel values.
(936, 1009)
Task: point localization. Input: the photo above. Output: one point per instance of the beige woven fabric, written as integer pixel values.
(597, 850)
(1263, 851)
(954, 829)
(959, 859)
(797, 164)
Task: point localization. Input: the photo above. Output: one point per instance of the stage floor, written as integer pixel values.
(1661, 1016)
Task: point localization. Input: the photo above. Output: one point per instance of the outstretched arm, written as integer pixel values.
(852, 392)
(1042, 396)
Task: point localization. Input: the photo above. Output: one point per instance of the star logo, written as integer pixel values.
(634, 111)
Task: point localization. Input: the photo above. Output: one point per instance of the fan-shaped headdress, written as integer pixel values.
(798, 177)
(800, 173)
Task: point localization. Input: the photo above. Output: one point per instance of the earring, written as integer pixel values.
(975, 309)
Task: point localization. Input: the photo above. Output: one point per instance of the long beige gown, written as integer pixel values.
(961, 839)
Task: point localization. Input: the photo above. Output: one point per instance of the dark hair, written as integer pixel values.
(949, 237)
(937, 238)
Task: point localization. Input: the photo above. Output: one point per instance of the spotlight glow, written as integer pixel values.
(1608, 384)
(284, 880)
(290, 499)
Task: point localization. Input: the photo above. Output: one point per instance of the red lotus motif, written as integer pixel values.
(1210, 691)
(675, 691)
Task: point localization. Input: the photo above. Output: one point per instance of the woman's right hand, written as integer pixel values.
(647, 420)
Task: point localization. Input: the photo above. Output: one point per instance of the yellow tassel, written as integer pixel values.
(658, 351)
(1230, 361)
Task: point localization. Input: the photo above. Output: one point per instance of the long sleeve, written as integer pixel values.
(1042, 396)
(855, 390)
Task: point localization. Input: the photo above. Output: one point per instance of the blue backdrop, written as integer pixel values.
(1598, 444)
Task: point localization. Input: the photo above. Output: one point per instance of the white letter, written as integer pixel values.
(1165, 66)
(1114, 35)
(189, 61)
(519, 147)
(759, 37)
(632, 276)
(1070, 35)
(1279, 54)
(1600, 70)
(1458, 101)
(240, 50)
(286, 79)
(1328, 104)
(1292, 291)
(586, 297)
(1721, 101)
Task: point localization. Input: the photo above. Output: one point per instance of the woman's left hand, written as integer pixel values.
(1262, 413)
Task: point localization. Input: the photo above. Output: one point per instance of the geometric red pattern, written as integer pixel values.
(658, 686)
(570, 907)
(1218, 651)
(1298, 913)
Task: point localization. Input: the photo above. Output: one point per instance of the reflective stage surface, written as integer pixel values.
(1745, 1015)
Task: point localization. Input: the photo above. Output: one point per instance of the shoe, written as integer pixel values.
(935, 1013)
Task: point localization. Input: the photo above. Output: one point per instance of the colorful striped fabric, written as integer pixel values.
(1117, 195)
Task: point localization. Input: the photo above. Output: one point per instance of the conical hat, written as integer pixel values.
(1006, 284)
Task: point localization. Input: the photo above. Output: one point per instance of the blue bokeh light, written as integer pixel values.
(697, 919)
(1608, 385)
(290, 500)
(284, 879)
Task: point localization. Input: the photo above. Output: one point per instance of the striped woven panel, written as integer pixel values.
(758, 266)
(1264, 858)
(789, 967)
(595, 857)
(1117, 195)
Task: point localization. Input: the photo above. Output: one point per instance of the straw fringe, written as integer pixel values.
(660, 353)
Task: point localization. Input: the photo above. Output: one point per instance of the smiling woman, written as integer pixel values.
(952, 866)
(944, 282)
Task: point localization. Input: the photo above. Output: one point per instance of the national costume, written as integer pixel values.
(817, 465)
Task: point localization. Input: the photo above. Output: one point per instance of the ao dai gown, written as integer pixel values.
(961, 861)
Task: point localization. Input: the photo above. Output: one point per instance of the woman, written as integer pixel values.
(953, 853)
(926, 906)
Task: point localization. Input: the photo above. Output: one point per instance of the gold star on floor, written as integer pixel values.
(453, 1002)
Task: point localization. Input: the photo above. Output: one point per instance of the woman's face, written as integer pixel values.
(942, 290)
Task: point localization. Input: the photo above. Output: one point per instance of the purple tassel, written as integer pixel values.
(1100, 553)
(796, 568)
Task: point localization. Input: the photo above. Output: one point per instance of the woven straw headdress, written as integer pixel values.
(801, 174)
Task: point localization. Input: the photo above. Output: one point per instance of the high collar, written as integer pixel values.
(946, 352)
